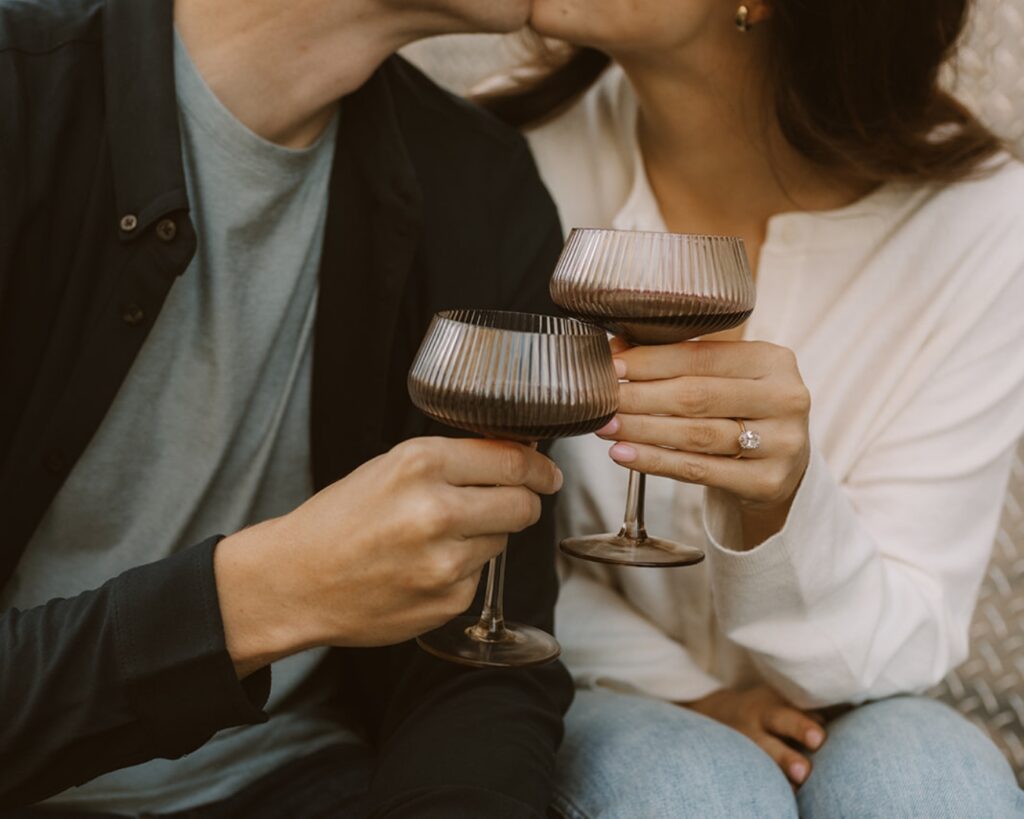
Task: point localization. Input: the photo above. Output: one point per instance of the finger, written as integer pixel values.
(754, 480)
(790, 723)
(723, 359)
(495, 510)
(474, 553)
(711, 436)
(794, 765)
(619, 345)
(702, 397)
(469, 462)
(453, 565)
(450, 602)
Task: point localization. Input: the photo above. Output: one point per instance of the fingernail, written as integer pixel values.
(798, 771)
(620, 367)
(814, 739)
(623, 453)
(559, 478)
(610, 428)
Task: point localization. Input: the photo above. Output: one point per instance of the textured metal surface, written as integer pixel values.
(989, 687)
(988, 75)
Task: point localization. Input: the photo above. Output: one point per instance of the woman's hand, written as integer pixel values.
(770, 721)
(677, 418)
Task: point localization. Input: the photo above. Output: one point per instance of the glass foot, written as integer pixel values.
(620, 550)
(522, 645)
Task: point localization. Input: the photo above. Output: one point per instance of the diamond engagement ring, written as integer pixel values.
(748, 439)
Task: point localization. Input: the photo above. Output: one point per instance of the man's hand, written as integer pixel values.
(770, 721)
(389, 552)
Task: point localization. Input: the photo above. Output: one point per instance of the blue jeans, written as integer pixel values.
(631, 758)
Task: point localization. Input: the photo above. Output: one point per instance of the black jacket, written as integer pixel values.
(432, 205)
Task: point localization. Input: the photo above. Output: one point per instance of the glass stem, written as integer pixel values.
(633, 524)
(490, 628)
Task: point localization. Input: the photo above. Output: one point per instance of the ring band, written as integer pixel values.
(747, 439)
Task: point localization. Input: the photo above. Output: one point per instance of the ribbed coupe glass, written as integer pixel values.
(650, 288)
(519, 377)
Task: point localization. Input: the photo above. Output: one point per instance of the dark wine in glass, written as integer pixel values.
(520, 377)
(660, 318)
(650, 288)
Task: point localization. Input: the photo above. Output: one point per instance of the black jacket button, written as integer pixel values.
(129, 222)
(166, 230)
(132, 315)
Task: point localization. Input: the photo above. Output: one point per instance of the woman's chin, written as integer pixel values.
(588, 23)
(560, 19)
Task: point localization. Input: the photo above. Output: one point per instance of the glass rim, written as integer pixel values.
(579, 329)
(715, 237)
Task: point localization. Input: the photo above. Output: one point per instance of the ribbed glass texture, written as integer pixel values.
(516, 376)
(654, 288)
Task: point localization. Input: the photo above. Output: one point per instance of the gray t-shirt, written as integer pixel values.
(209, 433)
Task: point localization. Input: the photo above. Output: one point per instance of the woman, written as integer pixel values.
(881, 368)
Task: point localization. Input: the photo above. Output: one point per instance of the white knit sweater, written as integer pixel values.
(906, 313)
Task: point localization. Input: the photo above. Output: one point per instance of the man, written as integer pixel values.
(224, 227)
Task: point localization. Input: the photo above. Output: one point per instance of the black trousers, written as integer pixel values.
(331, 782)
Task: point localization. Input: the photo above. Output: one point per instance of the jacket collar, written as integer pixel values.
(373, 234)
(370, 119)
(142, 112)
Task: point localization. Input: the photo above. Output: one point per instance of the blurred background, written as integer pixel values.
(987, 74)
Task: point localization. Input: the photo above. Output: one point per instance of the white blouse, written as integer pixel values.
(906, 313)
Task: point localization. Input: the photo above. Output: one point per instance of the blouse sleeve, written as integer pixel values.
(869, 588)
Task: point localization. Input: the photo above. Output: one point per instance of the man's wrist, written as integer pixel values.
(263, 622)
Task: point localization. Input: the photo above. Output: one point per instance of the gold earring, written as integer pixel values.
(743, 18)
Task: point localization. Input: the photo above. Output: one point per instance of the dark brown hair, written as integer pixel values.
(856, 87)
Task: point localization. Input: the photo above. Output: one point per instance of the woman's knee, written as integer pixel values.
(909, 756)
(627, 756)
